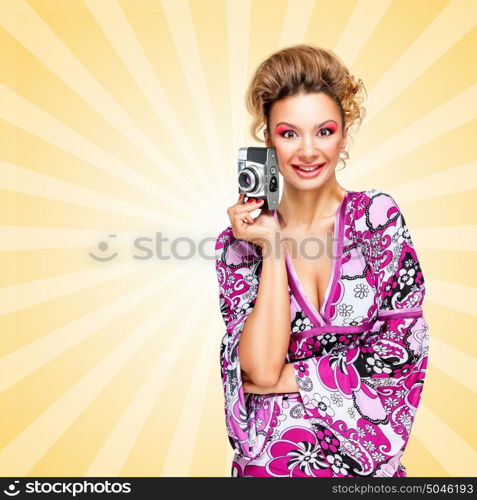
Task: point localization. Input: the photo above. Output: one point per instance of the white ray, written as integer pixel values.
(41, 434)
(183, 443)
(458, 297)
(454, 454)
(29, 29)
(23, 180)
(21, 363)
(456, 364)
(16, 297)
(40, 238)
(22, 113)
(295, 22)
(446, 238)
(450, 115)
(449, 181)
(111, 18)
(228, 458)
(158, 245)
(363, 21)
(454, 21)
(238, 31)
(114, 452)
(182, 29)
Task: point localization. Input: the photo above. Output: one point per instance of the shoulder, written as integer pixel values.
(374, 210)
(372, 197)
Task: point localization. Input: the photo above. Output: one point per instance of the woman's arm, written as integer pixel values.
(266, 334)
(286, 383)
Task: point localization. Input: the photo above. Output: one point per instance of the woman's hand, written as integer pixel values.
(260, 230)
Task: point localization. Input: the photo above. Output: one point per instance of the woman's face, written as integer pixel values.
(305, 129)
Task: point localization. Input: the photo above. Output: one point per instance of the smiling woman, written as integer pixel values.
(323, 359)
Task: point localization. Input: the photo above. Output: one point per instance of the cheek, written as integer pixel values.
(332, 146)
(284, 152)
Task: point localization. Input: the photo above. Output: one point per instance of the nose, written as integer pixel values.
(308, 149)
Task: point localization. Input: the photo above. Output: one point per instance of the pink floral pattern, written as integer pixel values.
(359, 363)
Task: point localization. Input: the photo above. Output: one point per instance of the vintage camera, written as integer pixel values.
(258, 175)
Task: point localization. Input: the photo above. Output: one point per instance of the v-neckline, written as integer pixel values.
(320, 317)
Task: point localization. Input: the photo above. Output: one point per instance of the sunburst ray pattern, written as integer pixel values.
(119, 128)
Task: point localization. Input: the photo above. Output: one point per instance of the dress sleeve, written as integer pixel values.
(362, 398)
(250, 418)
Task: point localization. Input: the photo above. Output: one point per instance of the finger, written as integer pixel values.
(240, 201)
(246, 218)
(248, 207)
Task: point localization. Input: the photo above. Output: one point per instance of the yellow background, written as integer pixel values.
(124, 118)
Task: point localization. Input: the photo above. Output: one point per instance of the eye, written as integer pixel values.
(283, 134)
(329, 130)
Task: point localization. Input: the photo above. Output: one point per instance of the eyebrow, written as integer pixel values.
(298, 128)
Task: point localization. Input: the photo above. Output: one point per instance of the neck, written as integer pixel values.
(307, 210)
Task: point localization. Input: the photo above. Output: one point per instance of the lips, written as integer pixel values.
(314, 171)
(308, 166)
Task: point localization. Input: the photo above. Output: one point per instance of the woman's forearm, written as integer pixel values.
(286, 383)
(266, 333)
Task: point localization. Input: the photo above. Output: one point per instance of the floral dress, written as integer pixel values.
(359, 362)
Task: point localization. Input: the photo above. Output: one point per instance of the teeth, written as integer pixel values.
(309, 169)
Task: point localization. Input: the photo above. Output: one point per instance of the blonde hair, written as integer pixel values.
(304, 69)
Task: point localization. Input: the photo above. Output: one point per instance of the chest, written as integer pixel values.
(311, 258)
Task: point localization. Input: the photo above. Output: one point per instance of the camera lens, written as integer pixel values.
(247, 180)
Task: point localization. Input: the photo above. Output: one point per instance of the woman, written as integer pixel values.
(333, 343)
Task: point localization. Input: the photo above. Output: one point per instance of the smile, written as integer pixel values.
(308, 170)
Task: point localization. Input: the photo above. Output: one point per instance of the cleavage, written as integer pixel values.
(312, 265)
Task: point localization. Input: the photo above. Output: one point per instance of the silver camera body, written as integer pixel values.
(258, 175)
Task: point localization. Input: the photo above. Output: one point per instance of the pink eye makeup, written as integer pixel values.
(281, 128)
(332, 126)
